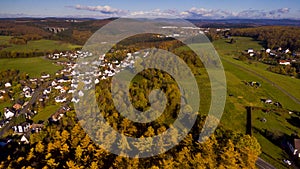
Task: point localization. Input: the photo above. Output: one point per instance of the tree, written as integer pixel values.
(249, 149)
(229, 156)
(39, 147)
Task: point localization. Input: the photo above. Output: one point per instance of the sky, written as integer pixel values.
(191, 9)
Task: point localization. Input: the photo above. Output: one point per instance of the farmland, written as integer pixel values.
(241, 95)
(33, 66)
(42, 45)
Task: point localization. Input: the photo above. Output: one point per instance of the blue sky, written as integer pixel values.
(198, 9)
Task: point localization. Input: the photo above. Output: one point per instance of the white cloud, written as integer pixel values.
(192, 13)
(102, 9)
(202, 13)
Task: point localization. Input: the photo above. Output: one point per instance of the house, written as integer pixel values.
(268, 101)
(47, 91)
(8, 113)
(7, 84)
(284, 62)
(24, 139)
(45, 76)
(295, 148)
(60, 99)
(36, 127)
(250, 50)
(3, 123)
(287, 51)
(22, 128)
(75, 100)
(28, 93)
(57, 115)
(80, 93)
(17, 106)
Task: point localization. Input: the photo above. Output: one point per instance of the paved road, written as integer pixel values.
(266, 79)
(260, 163)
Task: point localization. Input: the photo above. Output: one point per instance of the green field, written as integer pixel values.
(42, 45)
(33, 66)
(229, 52)
(234, 116)
(241, 95)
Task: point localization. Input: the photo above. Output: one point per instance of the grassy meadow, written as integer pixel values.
(33, 66)
(241, 95)
(42, 45)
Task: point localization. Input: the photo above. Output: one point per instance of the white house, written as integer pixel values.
(268, 101)
(21, 128)
(80, 93)
(60, 99)
(8, 114)
(250, 50)
(287, 51)
(45, 76)
(75, 100)
(24, 139)
(7, 84)
(28, 94)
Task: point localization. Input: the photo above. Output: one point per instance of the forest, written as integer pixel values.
(286, 37)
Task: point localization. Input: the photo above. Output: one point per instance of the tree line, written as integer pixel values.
(286, 37)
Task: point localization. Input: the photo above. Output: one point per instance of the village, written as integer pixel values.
(60, 89)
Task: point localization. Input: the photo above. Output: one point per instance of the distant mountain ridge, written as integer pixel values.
(220, 22)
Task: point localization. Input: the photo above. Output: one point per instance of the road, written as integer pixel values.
(35, 96)
(260, 163)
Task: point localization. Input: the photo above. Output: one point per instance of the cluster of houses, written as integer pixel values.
(100, 68)
(191, 31)
(278, 55)
(64, 86)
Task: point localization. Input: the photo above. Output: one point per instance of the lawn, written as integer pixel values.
(45, 113)
(42, 45)
(33, 66)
